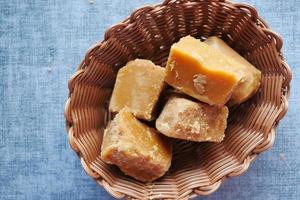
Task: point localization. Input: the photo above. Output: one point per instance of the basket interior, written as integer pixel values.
(197, 168)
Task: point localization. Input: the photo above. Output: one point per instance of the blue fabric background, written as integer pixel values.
(41, 44)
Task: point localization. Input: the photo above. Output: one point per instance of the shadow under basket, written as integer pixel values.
(149, 32)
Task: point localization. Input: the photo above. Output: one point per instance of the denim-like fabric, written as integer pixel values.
(41, 44)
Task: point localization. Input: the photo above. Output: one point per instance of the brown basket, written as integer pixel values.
(197, 168)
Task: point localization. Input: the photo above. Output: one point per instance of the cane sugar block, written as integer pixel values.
(138, 150)
(195, 121)
(200, 71)
(251, 75)
(138, 86)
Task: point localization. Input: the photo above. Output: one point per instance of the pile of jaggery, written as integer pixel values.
(200, 80)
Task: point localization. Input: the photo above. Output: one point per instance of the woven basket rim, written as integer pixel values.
(260, 23)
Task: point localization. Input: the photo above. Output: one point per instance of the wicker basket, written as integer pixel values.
(197, 168)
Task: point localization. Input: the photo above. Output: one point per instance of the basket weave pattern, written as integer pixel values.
(149, 32)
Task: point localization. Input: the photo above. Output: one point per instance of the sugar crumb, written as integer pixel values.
(281, 156)
(49, 70)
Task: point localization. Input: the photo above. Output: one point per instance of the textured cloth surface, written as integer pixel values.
(41, 44)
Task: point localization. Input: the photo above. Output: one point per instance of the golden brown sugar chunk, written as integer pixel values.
(138, 86)
(251, 76)
(198, 70)
(138, 150)
(184, 119)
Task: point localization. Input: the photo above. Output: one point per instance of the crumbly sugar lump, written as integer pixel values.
(200, 71)
(251, 75)
(195, 121)
(138, 86)
(138, 150)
